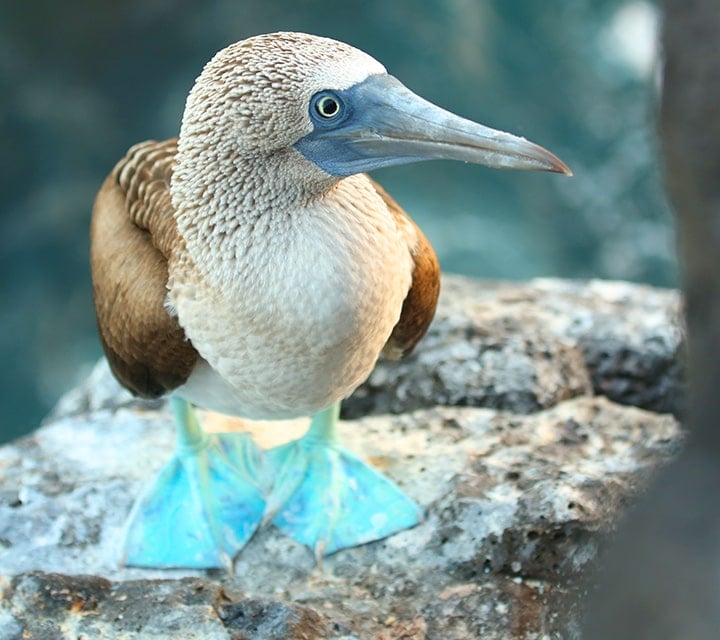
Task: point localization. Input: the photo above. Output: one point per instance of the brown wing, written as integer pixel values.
(132, 234)
(421, 301)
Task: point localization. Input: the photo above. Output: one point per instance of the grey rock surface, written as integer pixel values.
(527, 346)
(520, 482)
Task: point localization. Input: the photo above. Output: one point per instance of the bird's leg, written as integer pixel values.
(329, 499)
(204, 505)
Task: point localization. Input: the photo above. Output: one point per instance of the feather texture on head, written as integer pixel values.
(257, 91)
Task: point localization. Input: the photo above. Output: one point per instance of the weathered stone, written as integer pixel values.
(52, 606)
(516, 500)
(523, 347)
(271, 620)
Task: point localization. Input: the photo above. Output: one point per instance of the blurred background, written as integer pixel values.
(82, 80)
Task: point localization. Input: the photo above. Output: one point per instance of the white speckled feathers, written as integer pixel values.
(254, 93)
(297, 320)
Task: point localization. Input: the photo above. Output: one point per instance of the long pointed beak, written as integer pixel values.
(388, 124)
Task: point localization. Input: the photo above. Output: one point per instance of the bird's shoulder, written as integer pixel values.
(143, 176)
(133, 233)
(420, 303)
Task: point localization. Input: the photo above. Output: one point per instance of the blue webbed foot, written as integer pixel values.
(204, 505)
(327, 498)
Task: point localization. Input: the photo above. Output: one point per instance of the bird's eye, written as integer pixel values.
(327, 105)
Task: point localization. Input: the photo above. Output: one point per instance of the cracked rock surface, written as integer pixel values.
(524, 423)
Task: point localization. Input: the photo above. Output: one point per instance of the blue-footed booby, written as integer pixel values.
(251, 267)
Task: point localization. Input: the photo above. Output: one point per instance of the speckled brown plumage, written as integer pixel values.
(133, 232)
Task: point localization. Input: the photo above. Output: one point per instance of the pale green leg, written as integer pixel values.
(204, 505)
(327, 498)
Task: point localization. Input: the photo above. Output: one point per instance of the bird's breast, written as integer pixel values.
(292, 316)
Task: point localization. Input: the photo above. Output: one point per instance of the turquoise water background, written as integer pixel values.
(81, 81)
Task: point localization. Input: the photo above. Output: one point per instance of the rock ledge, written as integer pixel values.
(524, 423)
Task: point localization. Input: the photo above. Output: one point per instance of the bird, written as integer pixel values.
(250, 266)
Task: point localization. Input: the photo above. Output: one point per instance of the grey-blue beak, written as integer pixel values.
(380, 122)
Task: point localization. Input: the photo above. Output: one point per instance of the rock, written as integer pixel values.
(50, 606)
(524, 347)
(518, 493)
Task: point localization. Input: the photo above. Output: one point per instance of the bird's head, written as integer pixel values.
(290, 93)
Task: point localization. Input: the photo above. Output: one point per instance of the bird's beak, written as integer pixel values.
(387, 124)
